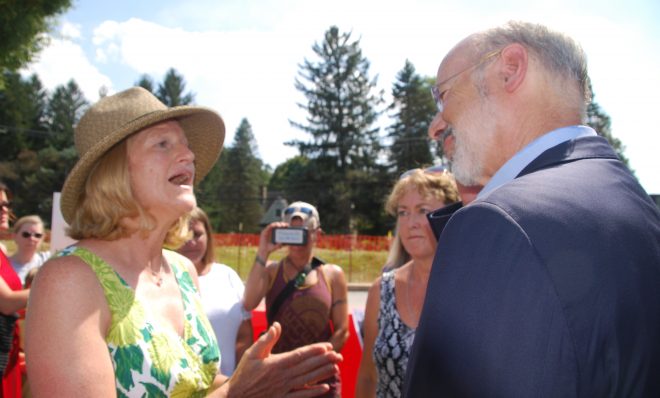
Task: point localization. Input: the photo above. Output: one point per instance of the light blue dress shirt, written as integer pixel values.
(534, 149)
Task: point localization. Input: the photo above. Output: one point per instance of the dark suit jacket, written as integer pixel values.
(547, 287)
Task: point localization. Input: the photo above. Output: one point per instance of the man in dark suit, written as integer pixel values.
(548, 284)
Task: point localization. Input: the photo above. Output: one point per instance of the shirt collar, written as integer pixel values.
(525, 156)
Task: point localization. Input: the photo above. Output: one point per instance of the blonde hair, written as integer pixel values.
(108, 199)
(200, 215)
(440, 186)
(31, 219)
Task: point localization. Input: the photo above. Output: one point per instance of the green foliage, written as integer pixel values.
(414, 109)
(40, 130)
(344, 147)
(341, 104)
(232, 193)
(600, 121)
(146, 82)
(22, 24)
(170, 92)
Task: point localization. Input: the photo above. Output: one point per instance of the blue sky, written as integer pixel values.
(241, 57)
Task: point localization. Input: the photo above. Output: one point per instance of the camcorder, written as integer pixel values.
(295, 236)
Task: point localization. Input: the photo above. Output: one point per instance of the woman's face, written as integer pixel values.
(413, 227)
(4, 211)
(29, 237)
(162, 170)
(195, 248)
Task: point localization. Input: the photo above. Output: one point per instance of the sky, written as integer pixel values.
(241, 57)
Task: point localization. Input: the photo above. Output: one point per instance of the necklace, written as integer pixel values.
(158, 276)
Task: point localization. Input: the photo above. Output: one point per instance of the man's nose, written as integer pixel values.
(437, 127)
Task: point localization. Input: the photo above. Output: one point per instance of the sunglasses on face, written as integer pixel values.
(6, 204)
(291, 210)
(437, 169)
(27, 234)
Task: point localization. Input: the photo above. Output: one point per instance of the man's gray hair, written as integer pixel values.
(559, 54)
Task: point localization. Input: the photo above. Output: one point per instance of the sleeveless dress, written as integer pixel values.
(151, 360)
(304, 316)
(393, 343)
(11, 378)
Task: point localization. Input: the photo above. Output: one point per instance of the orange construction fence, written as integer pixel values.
(334, 242)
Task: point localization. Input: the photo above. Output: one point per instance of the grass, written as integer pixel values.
(360, 266)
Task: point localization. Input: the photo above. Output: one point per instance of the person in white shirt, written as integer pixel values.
(221, 290)
(28, 235)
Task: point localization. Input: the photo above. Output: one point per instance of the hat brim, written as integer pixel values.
(204, 129)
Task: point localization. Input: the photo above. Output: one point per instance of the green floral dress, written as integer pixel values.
(149, 360)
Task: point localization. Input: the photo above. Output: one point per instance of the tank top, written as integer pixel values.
(393, 342)
(149, 359)
(304, 316)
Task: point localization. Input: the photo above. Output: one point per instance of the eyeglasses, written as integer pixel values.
(438, 95)
(291, 210)
(437, 169)
(6, 204)
(27, 234)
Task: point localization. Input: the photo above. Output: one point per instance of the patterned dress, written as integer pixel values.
(151, 360)
(393, 343)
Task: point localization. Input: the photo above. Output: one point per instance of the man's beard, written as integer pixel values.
(473, 139)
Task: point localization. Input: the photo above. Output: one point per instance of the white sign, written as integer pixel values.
(58, 238)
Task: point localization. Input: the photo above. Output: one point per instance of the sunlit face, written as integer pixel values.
(470, 113)
(162, 170)
(195, 248)
(29, 237)
(413, 227)
(4, 211)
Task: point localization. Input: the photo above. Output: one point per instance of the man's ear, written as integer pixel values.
(514, 67)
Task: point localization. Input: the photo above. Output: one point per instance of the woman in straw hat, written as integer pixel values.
(118, 315)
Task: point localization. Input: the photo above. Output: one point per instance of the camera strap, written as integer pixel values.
(290, 287)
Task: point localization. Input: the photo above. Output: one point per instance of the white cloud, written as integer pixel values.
(64, 60)
(242, 60)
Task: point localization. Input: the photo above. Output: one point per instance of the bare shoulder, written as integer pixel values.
(333, 269)
(64, 279)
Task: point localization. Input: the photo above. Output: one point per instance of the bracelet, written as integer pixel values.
(259, 260)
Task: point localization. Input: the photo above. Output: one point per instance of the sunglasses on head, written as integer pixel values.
(27, 234)
(437, 169)
(291, 210)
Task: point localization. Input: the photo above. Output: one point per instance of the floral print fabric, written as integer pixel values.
(150, 360)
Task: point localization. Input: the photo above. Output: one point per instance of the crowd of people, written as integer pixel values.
(531, 269)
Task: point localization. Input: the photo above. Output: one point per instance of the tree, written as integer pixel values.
(341, 107)
(600, 121)
(341, 104)
(22, 115)
(170, 92)
(146, 82)
(65, 108)
(22, 24)
(414, 109)
(233, 192)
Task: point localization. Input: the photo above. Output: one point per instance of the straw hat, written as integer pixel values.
(118, 116)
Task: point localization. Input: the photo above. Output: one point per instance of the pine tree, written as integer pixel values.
(600, 121)
(414, 109)
(341, 104)
(233, 192)
(344, 146)
(171, 91)
(146, 82)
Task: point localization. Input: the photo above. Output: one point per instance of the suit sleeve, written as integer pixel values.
(491, 324)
